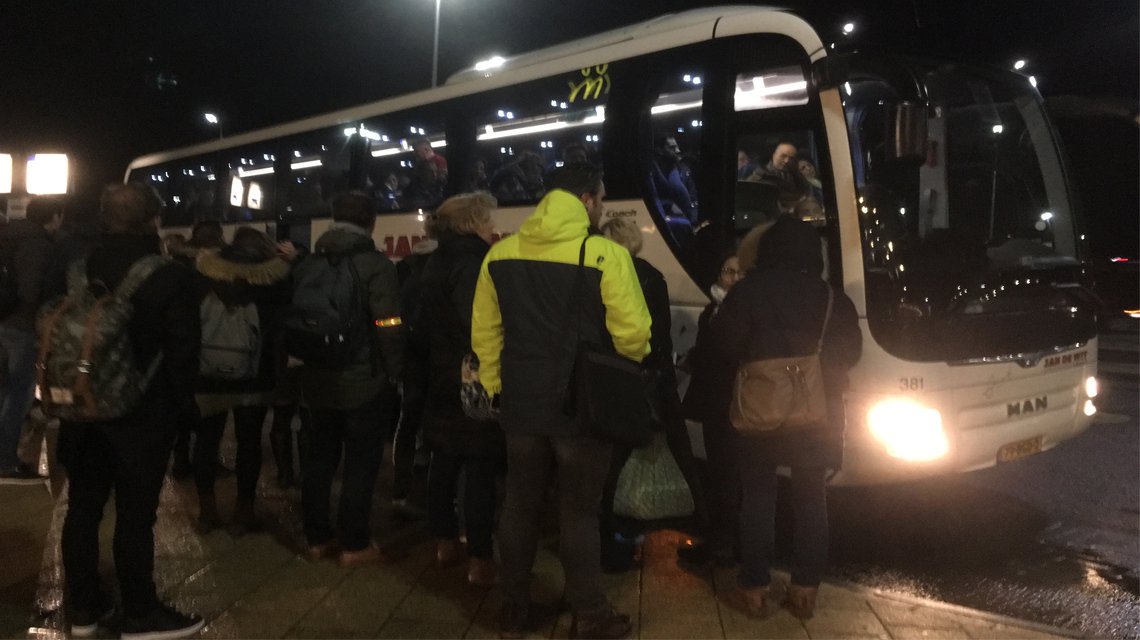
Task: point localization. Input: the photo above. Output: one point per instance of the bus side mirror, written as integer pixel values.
(909, 143)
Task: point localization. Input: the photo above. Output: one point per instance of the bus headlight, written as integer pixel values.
(1091, 387)
(1090, 408)
(909, 430)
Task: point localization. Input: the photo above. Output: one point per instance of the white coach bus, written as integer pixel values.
(944, 204)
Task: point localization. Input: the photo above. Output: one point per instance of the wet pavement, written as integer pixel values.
(257, 585)
(1049, 545)
(1054, 538)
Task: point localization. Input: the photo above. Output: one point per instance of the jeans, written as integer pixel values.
(581, 463)
(478, 500)
(758, 524)
(17, 390)
(129, 458)
(248, 423)
(357, 435)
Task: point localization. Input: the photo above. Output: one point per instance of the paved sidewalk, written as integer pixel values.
(256, 586)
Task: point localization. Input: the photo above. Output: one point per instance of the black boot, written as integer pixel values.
(282, 444)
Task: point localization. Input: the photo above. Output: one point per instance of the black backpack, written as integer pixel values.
(328, 325)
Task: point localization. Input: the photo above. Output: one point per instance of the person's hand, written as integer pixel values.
(287, 251)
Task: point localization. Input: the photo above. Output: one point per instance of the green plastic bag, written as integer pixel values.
(651, 486)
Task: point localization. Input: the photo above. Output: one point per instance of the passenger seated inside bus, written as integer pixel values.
(573, 153)
(424, 152)
(672, 180)
(425, 189)
(520, 180)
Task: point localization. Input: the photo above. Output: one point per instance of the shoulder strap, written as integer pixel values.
(139, 272)
(826, 319)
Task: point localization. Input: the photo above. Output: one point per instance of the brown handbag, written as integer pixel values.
(784, 394)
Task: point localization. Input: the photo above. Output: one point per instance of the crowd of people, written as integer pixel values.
(349, 341)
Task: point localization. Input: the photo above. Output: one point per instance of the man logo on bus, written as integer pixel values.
(1026, 406)
(591, 83)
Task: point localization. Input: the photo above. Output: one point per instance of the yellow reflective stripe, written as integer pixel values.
(390, 322)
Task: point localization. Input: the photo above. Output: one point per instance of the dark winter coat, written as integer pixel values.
(165, 321)
(32, 251)
(239, 279)
(363, 381)
(656, 294)
(778, 311)
(447, 291)
(710, 382)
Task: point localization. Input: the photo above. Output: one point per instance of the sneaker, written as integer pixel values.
(20, 474)
(513, 620)
(163, 623)
(606, 623)
(85, 623)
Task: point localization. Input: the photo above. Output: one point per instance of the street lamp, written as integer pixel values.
(214, 120)
(435, 49)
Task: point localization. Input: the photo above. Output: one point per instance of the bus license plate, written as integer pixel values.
(1020, 449)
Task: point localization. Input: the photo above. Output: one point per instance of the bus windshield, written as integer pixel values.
(971, 252)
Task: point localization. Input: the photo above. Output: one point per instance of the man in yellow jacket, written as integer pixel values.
(525, 329)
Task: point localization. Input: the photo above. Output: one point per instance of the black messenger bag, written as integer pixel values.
(607, 392)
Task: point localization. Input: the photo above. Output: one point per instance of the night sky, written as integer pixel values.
(97, 79)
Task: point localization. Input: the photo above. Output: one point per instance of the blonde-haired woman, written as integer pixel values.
(462, 225)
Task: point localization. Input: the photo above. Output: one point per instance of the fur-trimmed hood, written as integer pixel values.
(215, 266)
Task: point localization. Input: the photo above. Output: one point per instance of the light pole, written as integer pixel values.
(213, 119)
(435, 49)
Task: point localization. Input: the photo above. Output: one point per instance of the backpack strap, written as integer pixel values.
(138, 273)
(82, 388)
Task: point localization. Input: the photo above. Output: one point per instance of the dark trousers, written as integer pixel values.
(412, 405)
(17, 390)
(722, 486)
(357, 435)
(581, 464)
(478, 499)
(248, 422)
(758, 523)
(130, 459)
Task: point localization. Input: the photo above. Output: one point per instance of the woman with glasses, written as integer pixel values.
(704, 403)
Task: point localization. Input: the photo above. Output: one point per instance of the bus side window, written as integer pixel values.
(786, 158)
(524, 132)
(319, 164)
(676, 118)
(249, 176)
(188, 188)
(405, 164)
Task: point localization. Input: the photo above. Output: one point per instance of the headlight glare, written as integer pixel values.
(909, 430)
(1090, 408)
(1092, 387)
